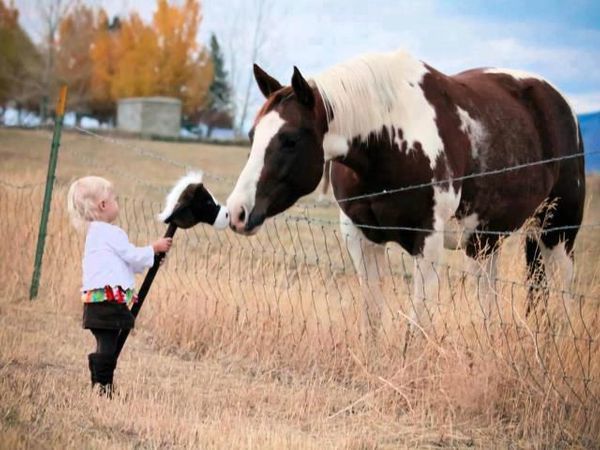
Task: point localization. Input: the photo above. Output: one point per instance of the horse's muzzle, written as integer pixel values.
(254, 221)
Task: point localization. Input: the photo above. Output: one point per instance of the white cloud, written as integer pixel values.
(586, 102)
(313, 35)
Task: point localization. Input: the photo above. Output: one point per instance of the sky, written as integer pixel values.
(559, 40)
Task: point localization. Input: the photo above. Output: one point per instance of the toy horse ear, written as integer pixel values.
(302, 89)
(266, 83)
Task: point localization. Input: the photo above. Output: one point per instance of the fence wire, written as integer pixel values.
(291, 298)
(291, 295)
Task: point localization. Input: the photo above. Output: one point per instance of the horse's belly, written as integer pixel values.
(504, 202)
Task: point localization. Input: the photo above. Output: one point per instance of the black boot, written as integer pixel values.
(93, 376)
(102, 368)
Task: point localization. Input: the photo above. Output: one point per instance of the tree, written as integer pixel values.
(51, 12)
(103, 56)
(258, 39)
(246, 41)
(159, 59)
(136, 60)
(77, 32)
(194, 92)
(218, 112)
(20, 61)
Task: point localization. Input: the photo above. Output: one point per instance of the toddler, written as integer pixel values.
(109, 264)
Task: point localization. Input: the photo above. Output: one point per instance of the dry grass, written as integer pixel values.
(254, 343)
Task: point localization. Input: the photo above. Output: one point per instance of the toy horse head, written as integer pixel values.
(190, 203)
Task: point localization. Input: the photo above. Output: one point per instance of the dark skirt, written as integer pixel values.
(108, 316)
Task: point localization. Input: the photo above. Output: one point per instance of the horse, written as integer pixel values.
(406, 143)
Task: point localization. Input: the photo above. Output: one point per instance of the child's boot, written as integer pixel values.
(102, 369)
(91, 359)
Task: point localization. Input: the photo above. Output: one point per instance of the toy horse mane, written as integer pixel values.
(176, 191)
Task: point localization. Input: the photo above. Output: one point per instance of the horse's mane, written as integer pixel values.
(364, 94)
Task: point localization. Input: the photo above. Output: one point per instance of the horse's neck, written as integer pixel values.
(409, 125)
(363, 95)
(353, 153)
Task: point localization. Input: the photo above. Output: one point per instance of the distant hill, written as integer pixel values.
(590, 131)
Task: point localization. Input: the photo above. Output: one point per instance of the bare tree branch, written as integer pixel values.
(258, 40)
(242, 52)
(51, 12)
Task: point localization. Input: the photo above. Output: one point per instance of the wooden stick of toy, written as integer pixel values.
(188, 204)
(143, 292)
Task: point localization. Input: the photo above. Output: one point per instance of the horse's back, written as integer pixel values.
(509, 91)
(524, 120)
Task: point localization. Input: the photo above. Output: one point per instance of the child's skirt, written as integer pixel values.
(108, 308)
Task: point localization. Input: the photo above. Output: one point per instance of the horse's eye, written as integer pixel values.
(288, 143)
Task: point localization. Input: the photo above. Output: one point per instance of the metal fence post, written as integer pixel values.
(50, 177)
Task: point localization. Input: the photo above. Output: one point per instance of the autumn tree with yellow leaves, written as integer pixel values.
(104, 61)
(103, 55)
(138, 59)
(74, 66)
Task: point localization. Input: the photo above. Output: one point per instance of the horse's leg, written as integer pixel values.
(566, 210)
(536, 275)
(325, 182)
(559, 265)
(486, 272)
(426, 276)
(368, 259)
(426, 280)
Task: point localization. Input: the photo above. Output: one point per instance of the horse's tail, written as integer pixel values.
(325, 182)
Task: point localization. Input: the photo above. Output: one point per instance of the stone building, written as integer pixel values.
(158, 116)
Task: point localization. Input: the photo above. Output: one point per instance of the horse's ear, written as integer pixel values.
(302, 89)
(266, 83)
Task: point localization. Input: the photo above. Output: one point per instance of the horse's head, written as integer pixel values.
(190, 203)
(286, 157)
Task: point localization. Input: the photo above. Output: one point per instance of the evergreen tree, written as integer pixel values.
(219, 104)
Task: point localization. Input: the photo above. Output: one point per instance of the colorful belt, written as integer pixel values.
(109, 294)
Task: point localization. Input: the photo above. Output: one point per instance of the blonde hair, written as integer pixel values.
(83, 198)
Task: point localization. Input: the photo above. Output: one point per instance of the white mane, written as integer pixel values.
(176, 191)
(376, 90)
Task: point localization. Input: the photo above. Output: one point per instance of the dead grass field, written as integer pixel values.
(254, 343)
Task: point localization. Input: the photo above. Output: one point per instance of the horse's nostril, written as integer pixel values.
(242, 216)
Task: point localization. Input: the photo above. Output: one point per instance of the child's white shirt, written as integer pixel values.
(109, 259)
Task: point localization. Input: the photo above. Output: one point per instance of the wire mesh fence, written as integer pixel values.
(290, 299)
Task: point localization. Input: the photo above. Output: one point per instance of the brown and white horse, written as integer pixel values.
(388, 121)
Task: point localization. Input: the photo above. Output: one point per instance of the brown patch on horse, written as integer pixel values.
(274, 100)
(379, 162)
(525, 120)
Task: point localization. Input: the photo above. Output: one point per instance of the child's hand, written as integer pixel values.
(162, 245)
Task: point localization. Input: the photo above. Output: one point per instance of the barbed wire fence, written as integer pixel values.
(290, 297)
